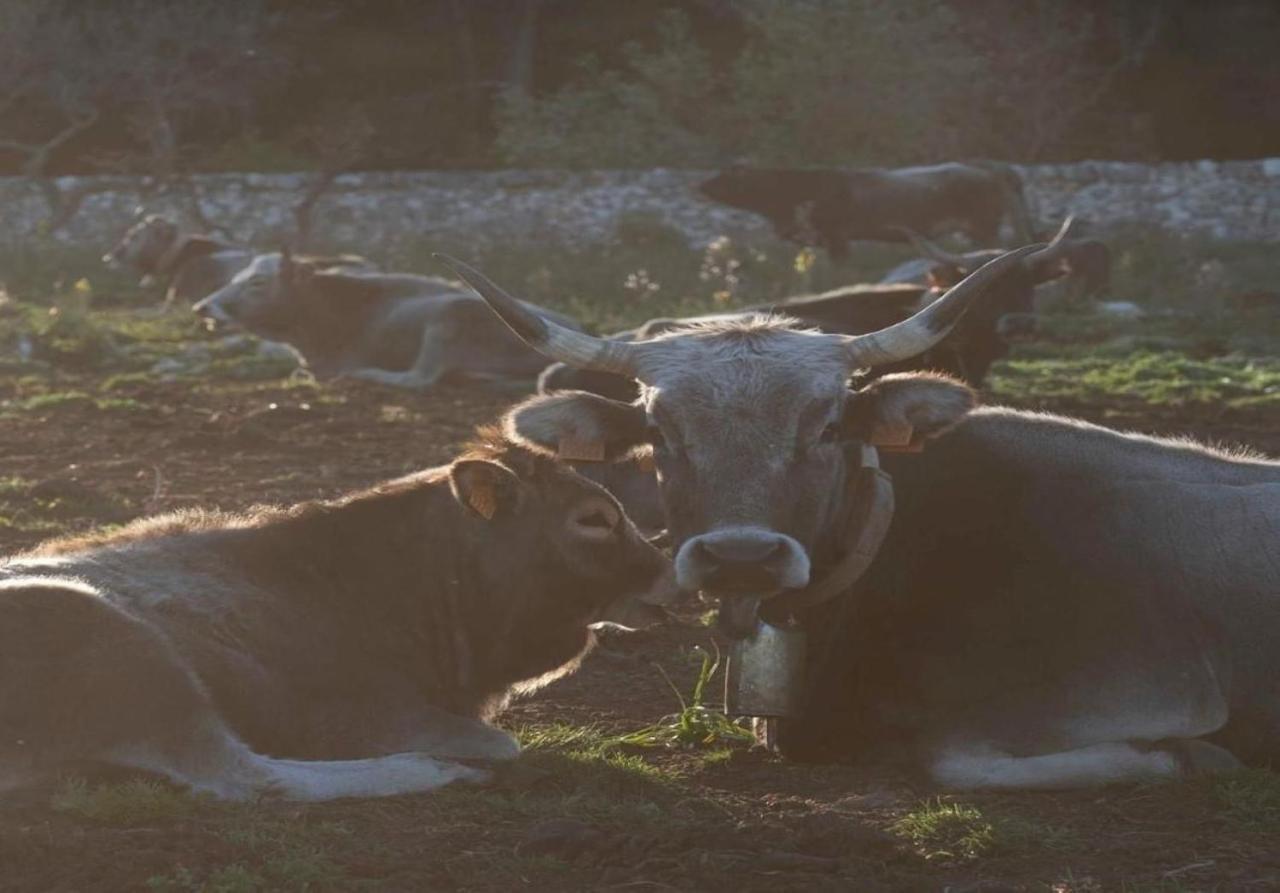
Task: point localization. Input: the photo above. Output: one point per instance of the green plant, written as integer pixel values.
(130, 803)
(696, 725)
(1250, 798)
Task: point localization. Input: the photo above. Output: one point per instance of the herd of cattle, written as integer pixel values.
(1029, 602)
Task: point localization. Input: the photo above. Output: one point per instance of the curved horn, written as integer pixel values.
(932, 251)
(546, 337)
(1056, 246)
(915, 335)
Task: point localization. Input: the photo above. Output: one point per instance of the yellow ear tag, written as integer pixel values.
(895, 438)
(579, 449)
(484, 500)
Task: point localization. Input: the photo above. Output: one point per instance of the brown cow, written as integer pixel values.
(345, 648)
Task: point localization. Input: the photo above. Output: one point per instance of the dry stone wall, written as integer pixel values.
(379, 213)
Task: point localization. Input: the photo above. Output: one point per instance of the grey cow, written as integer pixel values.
(391, 328)
(354, 647)
(1053, 604)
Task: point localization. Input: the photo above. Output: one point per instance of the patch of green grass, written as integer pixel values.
(135, 802)
(1250, 798)
(696, 725)
(948, 831)
(53, 400)
(1142, 378)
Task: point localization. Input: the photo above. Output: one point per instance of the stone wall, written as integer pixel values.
(379, 213)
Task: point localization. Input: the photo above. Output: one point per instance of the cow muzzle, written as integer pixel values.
(741, 566)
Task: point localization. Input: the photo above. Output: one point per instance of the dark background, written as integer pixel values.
(148, 87)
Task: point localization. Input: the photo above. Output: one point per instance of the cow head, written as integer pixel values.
(261, 298)
(749, 423)
(276, 295)
(144, 245)
(577, 553)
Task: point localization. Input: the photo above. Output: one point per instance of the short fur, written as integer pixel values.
(348, 647)
(395, 329)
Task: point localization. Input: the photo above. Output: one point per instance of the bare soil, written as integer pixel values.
(570, 819)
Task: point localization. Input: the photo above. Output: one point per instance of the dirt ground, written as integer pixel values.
(576, 814)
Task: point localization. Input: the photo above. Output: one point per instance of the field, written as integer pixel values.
(110, 414)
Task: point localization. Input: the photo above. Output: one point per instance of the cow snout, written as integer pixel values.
(743, 559)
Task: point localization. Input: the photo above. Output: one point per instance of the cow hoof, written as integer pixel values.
(1196, 757)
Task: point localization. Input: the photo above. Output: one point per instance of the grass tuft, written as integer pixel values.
(1250, 798)
(696, 725)
(135, 802)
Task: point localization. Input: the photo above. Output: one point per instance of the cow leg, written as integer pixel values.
(429, 366)
(81, 681)
(446, 735)
(1097, 764)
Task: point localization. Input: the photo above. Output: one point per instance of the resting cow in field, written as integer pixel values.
(188, 266)
(391, 328)
(830, 207)
(1052, 604)
(333, 649)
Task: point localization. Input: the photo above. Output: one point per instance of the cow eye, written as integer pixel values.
(831, 434)
(595, 519)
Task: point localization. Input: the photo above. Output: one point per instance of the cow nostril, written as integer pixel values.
(742, 550)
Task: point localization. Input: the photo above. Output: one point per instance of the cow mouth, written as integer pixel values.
(740, 612)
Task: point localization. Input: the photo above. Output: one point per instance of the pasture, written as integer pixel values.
(111, 409)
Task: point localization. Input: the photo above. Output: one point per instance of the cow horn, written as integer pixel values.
(548, 338)
(915, 335)
(932, 251)
(1056, 245)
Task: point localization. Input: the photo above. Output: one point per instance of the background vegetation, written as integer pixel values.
(202, 85)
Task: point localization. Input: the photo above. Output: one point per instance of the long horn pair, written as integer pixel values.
(898, 342)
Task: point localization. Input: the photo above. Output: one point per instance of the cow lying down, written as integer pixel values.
(333, 649)
(394, 329)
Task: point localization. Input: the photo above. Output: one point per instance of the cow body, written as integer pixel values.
(189, 267)
(334, 649)
(831, 207)
(1058, 604)
(1053, 604)
(395, 329)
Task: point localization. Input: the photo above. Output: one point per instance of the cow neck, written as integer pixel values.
(863, 517)
(169, 257)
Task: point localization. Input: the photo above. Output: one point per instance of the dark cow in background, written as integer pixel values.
(333, 649)
(391, 328)
(1081, 266)
(1054, 604)
(187, 266)
(831, 207)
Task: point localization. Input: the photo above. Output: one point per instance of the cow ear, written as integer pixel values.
(903, 411)
(577, 426)
(486, 488)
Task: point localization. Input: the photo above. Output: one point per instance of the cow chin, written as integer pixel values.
(740, 613)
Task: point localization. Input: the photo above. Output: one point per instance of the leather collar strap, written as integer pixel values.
(869, 501)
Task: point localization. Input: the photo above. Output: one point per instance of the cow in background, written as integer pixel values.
(394, 329)
(831, 207)
(354, 647)
(187, 266)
